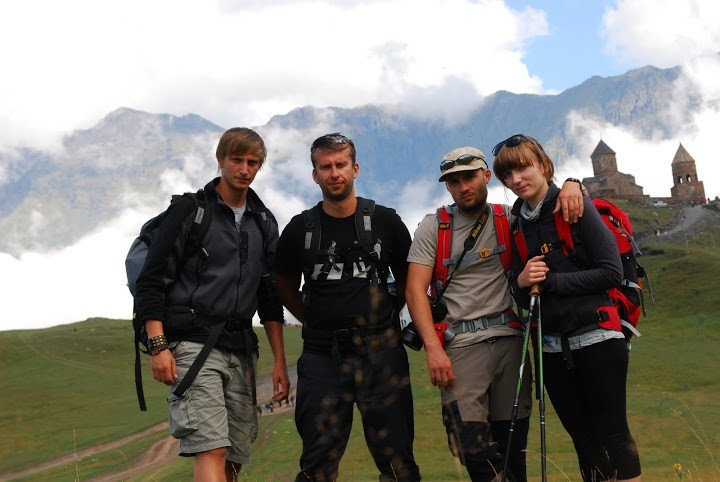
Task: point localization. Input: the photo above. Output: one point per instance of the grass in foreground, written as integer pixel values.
(78, 379)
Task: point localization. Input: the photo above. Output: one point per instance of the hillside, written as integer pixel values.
(70, 387)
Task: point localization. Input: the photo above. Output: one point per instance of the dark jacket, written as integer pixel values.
(231, 283)
(574, 288)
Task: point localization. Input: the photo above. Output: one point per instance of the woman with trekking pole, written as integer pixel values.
(582, 354)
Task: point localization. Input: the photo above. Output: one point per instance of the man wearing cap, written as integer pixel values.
(477, 370)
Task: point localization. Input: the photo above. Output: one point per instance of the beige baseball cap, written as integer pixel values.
(462, 159)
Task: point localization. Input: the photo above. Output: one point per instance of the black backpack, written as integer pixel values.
(135, 262)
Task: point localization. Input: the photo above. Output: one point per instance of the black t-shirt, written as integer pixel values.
(344, 299)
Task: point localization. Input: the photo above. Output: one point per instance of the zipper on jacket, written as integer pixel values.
(242, 238)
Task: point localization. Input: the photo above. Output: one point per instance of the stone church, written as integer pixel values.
(608, 182)
(686, 185)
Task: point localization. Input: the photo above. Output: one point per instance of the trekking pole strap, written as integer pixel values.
(630, 284)
(630, 327)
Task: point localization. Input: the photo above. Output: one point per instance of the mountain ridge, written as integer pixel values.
(137, 159)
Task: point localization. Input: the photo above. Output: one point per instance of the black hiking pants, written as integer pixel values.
(590, 402)
(379, 383)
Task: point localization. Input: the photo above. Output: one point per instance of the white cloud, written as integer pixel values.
(238, 63)
(418, 198)
(663, 33)
(72, 284)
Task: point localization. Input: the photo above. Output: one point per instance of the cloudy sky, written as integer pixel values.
(67, 64)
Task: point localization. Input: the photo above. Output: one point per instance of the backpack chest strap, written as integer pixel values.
(474, 256)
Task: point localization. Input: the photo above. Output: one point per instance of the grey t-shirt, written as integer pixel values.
(480, 286)
(239, 212)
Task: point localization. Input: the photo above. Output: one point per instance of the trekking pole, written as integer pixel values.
(516, 401)
(641, 271)
(541, 383)
(652, 295)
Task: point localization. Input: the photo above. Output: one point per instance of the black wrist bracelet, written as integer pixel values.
(572, 179)
(158, 349)
(156, 342)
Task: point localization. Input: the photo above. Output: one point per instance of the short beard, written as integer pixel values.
(476, 208)
(341, 196)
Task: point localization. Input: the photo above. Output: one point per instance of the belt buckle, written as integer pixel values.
(344, 335)
(231, 325)
(485, 322)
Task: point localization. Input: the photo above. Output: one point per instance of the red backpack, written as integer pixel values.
(628, 297)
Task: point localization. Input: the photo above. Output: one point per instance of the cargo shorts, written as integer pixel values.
(219, 408)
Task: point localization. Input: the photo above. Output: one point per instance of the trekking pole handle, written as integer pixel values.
(535, 290)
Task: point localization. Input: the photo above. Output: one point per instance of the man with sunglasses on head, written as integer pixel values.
(477, 369)
(345, 248)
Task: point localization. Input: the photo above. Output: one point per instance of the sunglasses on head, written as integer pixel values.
(329, 139)
(511, 141)
(463, 160)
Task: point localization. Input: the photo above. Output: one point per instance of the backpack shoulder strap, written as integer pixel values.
(502, 234)
(565, 234)
(363, 221)
(519, 241)
(311, 220)
(201, 221)
(264, 219)
(444, 245)
(363, 227)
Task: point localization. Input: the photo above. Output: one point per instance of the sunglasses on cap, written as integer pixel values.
(463, 160)
(511, 141)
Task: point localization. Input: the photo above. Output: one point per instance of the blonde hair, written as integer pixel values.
(240, 141)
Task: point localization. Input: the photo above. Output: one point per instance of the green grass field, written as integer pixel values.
(70, 387)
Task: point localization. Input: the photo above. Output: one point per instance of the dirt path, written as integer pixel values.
(688, 217)
(77, 456)
(160, 453)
